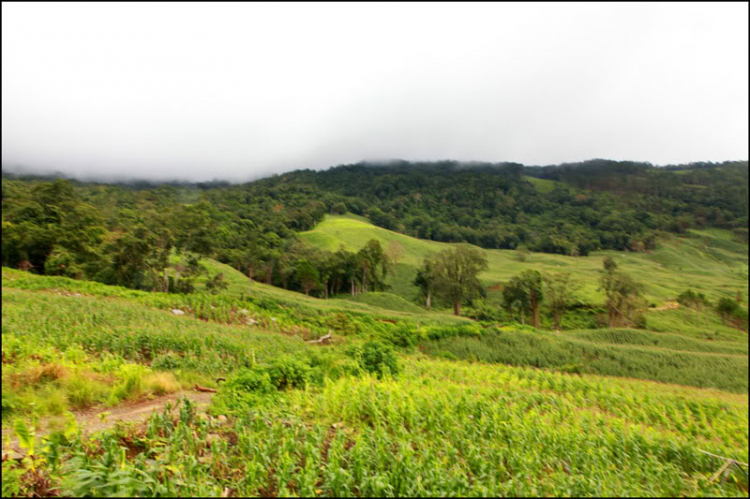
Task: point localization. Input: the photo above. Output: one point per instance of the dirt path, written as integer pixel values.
(670, 305)
(90, 422)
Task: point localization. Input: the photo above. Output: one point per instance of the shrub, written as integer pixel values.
(288, 372)
(85, 392)
(131, 384)
(377, 358)
(440, 332)
(326, 364)
(251, 380)
(726, 308)
(217, 283)
(284, 372)
(161, 383)
(342, 324)
(690, 299)
(572, 368)
(482, 311)
(402, 335)
(639, 322)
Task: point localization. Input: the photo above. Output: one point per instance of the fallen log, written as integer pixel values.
(322, 339)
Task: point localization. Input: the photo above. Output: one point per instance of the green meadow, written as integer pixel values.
(707, 261)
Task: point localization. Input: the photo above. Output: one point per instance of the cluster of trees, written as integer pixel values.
(452, 276)
(624, 295)
(694, 195)
(302, 267)
(126, 236)
(524, 294)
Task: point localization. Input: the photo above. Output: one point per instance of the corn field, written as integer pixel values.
(440, 429)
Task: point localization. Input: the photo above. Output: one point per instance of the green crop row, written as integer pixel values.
(438, 429)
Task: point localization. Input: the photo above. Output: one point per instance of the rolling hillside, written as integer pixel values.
(707, 261)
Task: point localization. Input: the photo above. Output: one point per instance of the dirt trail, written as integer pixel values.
(670, 305)
(90, 422)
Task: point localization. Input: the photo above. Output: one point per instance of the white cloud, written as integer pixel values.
(236, 90)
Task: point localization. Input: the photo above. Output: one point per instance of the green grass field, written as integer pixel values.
(709, 261)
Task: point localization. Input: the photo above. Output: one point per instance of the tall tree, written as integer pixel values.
(525, 292)
(369, 259)
(394, 252)
(308, 276)
(560, 293)
(426, 278)
(623, 293)
(457, 273)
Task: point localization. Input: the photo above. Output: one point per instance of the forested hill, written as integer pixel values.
(122, 233)
(567, 209)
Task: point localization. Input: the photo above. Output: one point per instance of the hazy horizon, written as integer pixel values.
(237, 92)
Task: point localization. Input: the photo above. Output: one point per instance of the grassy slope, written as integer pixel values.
(709, 262)
(71, 351)
(627, 353)
(394, 307)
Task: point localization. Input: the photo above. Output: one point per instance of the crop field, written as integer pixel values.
(617, 352)
(709, 262)
(439, 428)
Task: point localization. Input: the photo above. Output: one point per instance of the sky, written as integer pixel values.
(236, 91)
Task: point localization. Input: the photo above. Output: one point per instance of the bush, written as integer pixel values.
(167, 361)
(217, 283)
(338, 208)
(482, 311)
(440, 332)
(342, 324)
(572, 368)
(690, 299)
(327, 364)
(639, 322)
(288, 372)
(402, 335)
(250, 380)
(726, 308)
(131, 385)
(522, 253)
(284, 372)
(377, 358)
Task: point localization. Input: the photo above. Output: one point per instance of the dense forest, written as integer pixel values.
(125, 233)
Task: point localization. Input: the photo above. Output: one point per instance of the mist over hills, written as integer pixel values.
(21, 171)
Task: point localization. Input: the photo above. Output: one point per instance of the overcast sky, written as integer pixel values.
(235, 91)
